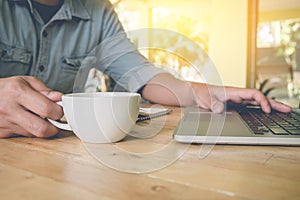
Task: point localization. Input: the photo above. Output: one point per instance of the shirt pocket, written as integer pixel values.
(72, 63)
(14, 60)
(72, 69)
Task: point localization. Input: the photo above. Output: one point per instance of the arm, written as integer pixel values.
(23, 100)
(167, 90)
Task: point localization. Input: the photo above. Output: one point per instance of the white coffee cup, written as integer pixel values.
(102, 117)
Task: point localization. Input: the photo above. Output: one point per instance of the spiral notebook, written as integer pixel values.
(150, 113)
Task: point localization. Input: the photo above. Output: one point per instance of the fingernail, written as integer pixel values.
(268, 109)
(218, 107)
(53, 95)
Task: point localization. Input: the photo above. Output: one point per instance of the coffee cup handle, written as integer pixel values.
(60, 125)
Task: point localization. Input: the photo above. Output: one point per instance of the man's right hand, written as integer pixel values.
(24, 100)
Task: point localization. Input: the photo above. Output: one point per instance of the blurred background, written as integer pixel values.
(253, 43)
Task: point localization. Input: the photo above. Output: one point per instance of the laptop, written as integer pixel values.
(246, 125)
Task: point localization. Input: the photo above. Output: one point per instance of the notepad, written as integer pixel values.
(150, 113)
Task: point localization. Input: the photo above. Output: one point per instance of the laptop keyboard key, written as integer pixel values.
(279, 131)
(295, 132)
(290, 128)
(258, 132)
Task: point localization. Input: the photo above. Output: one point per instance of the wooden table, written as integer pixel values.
(62, 168)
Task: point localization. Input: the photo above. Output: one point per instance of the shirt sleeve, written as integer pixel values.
(118, 57)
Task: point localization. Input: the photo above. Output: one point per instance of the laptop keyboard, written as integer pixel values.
(276, 123)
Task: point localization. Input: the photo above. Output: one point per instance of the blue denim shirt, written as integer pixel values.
(81, 35)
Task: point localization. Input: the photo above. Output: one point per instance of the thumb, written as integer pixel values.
(52, 95)
(217, 106)
(39, 86)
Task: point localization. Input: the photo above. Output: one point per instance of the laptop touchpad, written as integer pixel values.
(212, 124)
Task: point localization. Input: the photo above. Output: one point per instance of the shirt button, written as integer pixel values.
(45, 33)
(41, 68)
(4, 53)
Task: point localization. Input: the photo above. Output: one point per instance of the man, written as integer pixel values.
(48, 40)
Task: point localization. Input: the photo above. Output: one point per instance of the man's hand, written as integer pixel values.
(24, 101)
(165, 89)
(213, 98)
